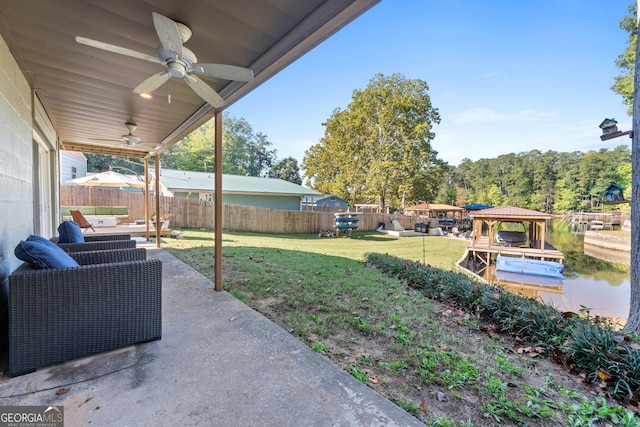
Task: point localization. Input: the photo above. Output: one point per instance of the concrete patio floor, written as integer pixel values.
(219, 362)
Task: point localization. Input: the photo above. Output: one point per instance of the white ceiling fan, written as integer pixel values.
(131, 140)
(179, 61)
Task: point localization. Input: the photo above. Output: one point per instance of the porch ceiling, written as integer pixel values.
(87, 92)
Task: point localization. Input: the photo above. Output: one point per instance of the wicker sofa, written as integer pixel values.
(112, 300)
(100, 243)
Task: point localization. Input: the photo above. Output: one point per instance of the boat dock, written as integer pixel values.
(483, 252)
(583, 221)
(486, 246)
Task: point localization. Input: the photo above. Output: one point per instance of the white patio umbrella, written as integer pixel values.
(108, 179)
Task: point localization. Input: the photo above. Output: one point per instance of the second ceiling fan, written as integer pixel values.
(131, 140)
(179, 61)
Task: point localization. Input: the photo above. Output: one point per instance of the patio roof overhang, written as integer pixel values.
(87, 92)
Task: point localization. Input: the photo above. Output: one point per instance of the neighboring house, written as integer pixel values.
(239, 190)
(327, 201)
(614, 194)
(73, 164)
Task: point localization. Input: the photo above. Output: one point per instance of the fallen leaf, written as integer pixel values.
(603, 375)
(423, 405)
(62, 391)
(88, 399)
(231, 319)
(443, 346)
(373, 380)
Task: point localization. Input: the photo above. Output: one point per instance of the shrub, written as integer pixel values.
(607, 357)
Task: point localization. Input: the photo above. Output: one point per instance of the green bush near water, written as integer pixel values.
(610, 358)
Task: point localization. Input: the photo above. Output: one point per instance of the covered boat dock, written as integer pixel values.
(483, 248)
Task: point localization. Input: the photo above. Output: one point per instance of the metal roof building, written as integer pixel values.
(271, 193)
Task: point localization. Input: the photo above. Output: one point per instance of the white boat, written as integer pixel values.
(529, 279)
(533, 267)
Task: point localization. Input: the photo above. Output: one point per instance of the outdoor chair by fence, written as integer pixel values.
(113, 299)
(82, 222)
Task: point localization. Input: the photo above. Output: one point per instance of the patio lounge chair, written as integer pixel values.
(82, 222)
(112, 300)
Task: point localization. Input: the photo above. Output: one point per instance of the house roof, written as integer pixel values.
(73, 155)
(510, 213)
(177, 180)
(434, 207)
(87, 92)
(607, 123)
(476, 206)
(326, 196)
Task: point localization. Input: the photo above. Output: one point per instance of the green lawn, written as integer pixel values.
(435, 360)
(437, 251)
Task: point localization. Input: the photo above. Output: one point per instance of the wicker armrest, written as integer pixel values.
(63, 314)
(104, 237)
(104, 257)
(98, 246)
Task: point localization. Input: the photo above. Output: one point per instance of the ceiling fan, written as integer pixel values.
(179, 61)
(131, 140)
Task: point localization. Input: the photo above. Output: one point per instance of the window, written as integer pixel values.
(74, 172)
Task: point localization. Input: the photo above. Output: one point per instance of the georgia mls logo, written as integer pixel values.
(31, 416)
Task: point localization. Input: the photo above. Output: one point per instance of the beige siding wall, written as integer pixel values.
(16, 160)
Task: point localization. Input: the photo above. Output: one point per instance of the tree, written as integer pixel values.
(633, 321)
(286, 169)
(196, 151)
(243, 151)
(103, 162)
(623, 84)
(379, 148)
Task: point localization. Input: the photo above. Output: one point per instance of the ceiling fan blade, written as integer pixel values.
(204, 91)
(221, 71)
(117, 49)
(168, 34)
(153, 82)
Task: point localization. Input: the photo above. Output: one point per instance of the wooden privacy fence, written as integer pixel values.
(187, 213)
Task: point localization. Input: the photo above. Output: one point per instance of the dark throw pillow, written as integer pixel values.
(70, 232)
(41, 255)
(43, 240)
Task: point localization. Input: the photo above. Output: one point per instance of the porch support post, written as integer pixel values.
(218, 202)
(146, 197)
(157, 189)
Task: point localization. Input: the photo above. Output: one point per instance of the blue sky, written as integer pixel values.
(506, 76)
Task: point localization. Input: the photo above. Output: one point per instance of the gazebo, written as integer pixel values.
(433, 208)
(493, 216)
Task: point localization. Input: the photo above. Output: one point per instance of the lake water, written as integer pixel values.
(602, 287)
